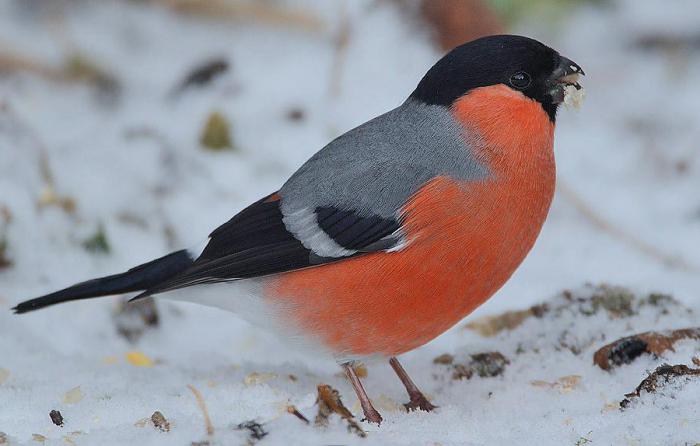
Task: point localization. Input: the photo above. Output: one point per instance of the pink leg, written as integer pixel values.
(371, 413)
(418, 400)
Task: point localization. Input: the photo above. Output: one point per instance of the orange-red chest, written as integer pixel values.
(465, 240)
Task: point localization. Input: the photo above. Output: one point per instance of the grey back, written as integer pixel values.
(376, 167)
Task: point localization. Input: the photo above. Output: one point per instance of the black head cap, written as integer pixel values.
(520, 63)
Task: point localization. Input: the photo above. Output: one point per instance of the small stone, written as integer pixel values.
(256, 431)
(160, 422)
(56, 418)
(296, 114)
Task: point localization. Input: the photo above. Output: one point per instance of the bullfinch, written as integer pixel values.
(397, 229)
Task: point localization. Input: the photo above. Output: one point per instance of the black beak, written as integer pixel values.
(567, 72)
(565, 68)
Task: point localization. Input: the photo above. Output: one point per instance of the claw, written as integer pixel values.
(373, 417)
(420, 402)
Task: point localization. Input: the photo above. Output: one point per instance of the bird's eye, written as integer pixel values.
(520, 80)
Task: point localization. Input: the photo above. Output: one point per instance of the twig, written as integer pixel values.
(18, 129)
(76, 68)
(294, 411)
(203, 407)
(671, 261)
(12, 62)
(262, 12)
(663, 375)
(340, 49)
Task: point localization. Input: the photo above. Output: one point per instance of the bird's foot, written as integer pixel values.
(372, 416)
(419, 401)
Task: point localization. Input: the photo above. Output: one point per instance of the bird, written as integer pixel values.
(394, 231)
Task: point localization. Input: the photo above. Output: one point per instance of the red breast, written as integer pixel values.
(465, 240)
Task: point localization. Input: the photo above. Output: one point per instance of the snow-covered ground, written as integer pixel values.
(131, 161)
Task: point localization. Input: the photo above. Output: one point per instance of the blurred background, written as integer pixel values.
(129, 129)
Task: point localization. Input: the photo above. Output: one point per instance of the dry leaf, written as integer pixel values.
(489, 326)
(38, 438)
(4, 374)
(70, 437)
(98, 242)
(138, 359)
(73, 396)
(386, 404)
(49, 197)
(216, 134)
(663, 375)
(77, 67)
(565, 384)
(444, 359)
(255, 378)
(627, 349)
(359, 368)
(569, 383)
(608, 407)
(110, 360)
(329, 402)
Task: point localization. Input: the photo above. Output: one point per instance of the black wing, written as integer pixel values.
(257, 243)
(355, 232)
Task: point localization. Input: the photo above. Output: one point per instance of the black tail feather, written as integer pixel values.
(136, 279)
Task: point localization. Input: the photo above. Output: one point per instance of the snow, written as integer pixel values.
(132, 162)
